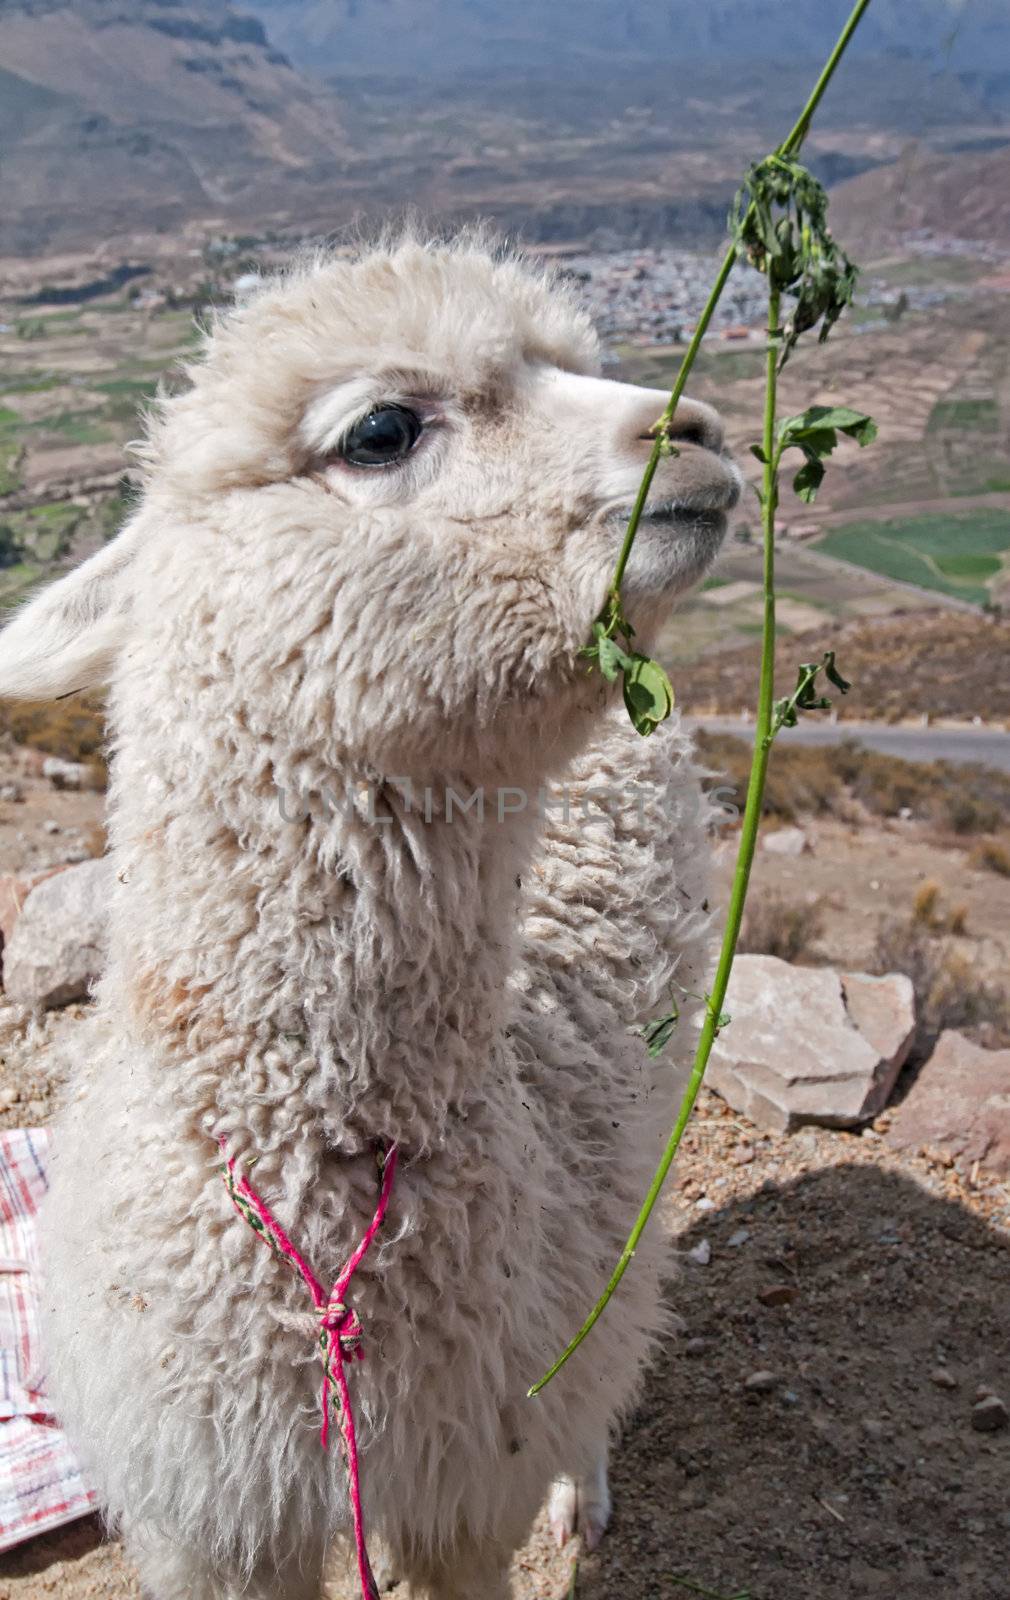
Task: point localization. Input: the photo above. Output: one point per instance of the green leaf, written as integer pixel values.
(756, 450)
(612, 659)
(809, 479)
(648, 693)
(832, 673)
(856, 424)
(784, 713)
(658, 1033)
(817, 442)
(864, 431)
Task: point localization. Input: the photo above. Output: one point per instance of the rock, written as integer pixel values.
(11, 791)
(14, 891)
(777, 1294)
(49, 826)
(989, 1415)
(942, 1378)
(761, 1383)
(786, 842)
(701, 1253)
(738, 1237)
(67, 774)
(696, 1347)
(32, 760)
(808, 1044)
(959, 1105)
(56, 950)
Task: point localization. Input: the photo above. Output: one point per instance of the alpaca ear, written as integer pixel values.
(67, 638)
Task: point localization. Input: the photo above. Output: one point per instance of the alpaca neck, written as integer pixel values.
(356, 963)
(413, 1021)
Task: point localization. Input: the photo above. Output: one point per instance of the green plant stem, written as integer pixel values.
(802, 125)
(763, 732)
(748, 840)
(789, 146)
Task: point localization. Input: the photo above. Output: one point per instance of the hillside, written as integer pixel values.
(935, 664)
(443, 37)
(130, 124)
(115, 115)
(962, 196)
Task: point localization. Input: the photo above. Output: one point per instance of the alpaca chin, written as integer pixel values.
(670, 555)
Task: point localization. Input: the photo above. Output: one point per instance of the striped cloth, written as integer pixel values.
(40, 1481)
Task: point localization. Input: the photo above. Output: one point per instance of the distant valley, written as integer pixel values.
(140, 127)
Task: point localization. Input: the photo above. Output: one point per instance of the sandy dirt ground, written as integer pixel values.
(806, 1427)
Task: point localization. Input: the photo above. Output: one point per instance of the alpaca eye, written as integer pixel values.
(386, 435)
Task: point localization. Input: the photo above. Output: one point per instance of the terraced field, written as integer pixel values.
(71, 384)
(964, 556)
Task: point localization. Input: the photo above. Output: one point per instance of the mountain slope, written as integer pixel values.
(452, 36)
(963, 197)
(112, 111)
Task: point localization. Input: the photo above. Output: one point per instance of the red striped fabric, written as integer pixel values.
(40, 1482)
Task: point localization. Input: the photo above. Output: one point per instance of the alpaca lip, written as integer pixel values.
(674, 513)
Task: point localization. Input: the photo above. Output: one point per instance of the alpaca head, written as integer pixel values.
(391, 498)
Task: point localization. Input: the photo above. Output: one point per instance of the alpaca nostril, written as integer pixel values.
(692, 423)
(689, 433)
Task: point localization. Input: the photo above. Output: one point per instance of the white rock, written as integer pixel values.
(66, 774)
(786, 842)
(809, 1044)
(57, 948)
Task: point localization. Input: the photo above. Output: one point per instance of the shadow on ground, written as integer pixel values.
(859, 1472)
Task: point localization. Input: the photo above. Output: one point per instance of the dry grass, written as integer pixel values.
(926, 663)
(930, 913)
(991, 855)
(846, 782)
(948, 991)
(73, 728)
(787, 929)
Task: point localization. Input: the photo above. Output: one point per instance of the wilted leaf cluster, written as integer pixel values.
(786, 712)
(779, 223)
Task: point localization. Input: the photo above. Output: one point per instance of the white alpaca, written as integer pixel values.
(374, 535)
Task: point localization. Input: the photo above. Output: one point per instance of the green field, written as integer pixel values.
(965, 416)
(956, 555)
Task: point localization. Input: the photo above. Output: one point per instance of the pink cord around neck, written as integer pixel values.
(340, 1331)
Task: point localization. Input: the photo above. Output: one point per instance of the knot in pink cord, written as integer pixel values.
(341, 1321)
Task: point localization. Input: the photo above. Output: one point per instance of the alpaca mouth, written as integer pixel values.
(678, 516)
(675, 511)
(710, 505)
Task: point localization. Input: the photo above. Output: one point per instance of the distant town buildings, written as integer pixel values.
(654, 297)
